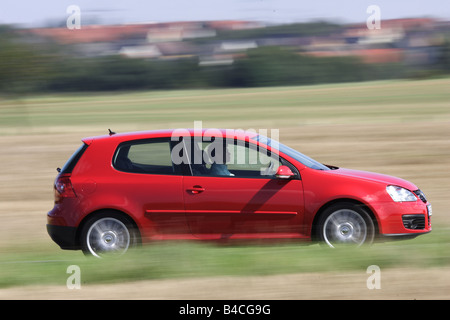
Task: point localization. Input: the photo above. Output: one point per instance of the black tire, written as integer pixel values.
(108, 233)
(344, 224)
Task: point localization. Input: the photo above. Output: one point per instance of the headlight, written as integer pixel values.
(399, 194)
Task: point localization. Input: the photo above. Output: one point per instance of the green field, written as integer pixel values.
(280, 107)
(394, 127)
(184, 260)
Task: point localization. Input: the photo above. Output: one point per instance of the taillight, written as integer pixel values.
(63, 188)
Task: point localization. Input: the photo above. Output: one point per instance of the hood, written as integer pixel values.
(376, 177)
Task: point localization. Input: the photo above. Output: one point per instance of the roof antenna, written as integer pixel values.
(111, 132)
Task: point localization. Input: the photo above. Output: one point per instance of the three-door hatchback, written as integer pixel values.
(119, 190)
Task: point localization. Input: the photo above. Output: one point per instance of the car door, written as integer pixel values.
(154, 185)
(242, 199)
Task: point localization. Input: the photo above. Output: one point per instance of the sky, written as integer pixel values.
(41, 12)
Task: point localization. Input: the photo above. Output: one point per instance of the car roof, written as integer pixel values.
(210, 132)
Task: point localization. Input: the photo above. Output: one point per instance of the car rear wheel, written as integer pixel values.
(345, 224)
(108, 234)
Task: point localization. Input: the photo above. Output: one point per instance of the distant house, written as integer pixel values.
(236, 46)
(177, 34)
(409, 40)
(91, 33)
(385, 45)
(234, 25)
(145, 51)
(168, 40)
(390, 31)
(382, 55)
(167, 31)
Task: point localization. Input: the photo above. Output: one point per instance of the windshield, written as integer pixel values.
(300, 157)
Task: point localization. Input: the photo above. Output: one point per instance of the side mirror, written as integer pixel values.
(284, 172)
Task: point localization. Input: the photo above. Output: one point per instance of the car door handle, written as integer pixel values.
(196, 189)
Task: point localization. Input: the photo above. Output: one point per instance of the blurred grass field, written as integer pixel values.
(400, 128)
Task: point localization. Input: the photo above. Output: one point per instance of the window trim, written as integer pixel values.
(247, 144)
(70, 164)
(177, 169)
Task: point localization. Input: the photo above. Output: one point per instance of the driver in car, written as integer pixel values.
(221, 169)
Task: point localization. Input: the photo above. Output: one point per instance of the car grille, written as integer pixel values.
(421, 195)
(414, 221)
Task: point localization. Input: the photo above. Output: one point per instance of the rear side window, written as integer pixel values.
(148, 156)
(73, 160)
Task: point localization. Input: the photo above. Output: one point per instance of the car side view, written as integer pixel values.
(120, 190)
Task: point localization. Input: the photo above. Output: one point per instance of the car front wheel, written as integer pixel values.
(345, 224)
(108, 234)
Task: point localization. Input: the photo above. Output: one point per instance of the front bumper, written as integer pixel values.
(403, 219)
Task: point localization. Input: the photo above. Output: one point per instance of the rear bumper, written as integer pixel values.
(64, 236)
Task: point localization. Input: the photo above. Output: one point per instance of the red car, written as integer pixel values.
(120, 190)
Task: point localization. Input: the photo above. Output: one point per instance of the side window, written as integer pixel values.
(249, 161)
(235, 158)
(148, 156)
(73, 160)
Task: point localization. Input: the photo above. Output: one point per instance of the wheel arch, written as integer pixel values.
(365, 207)
(105, 211)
